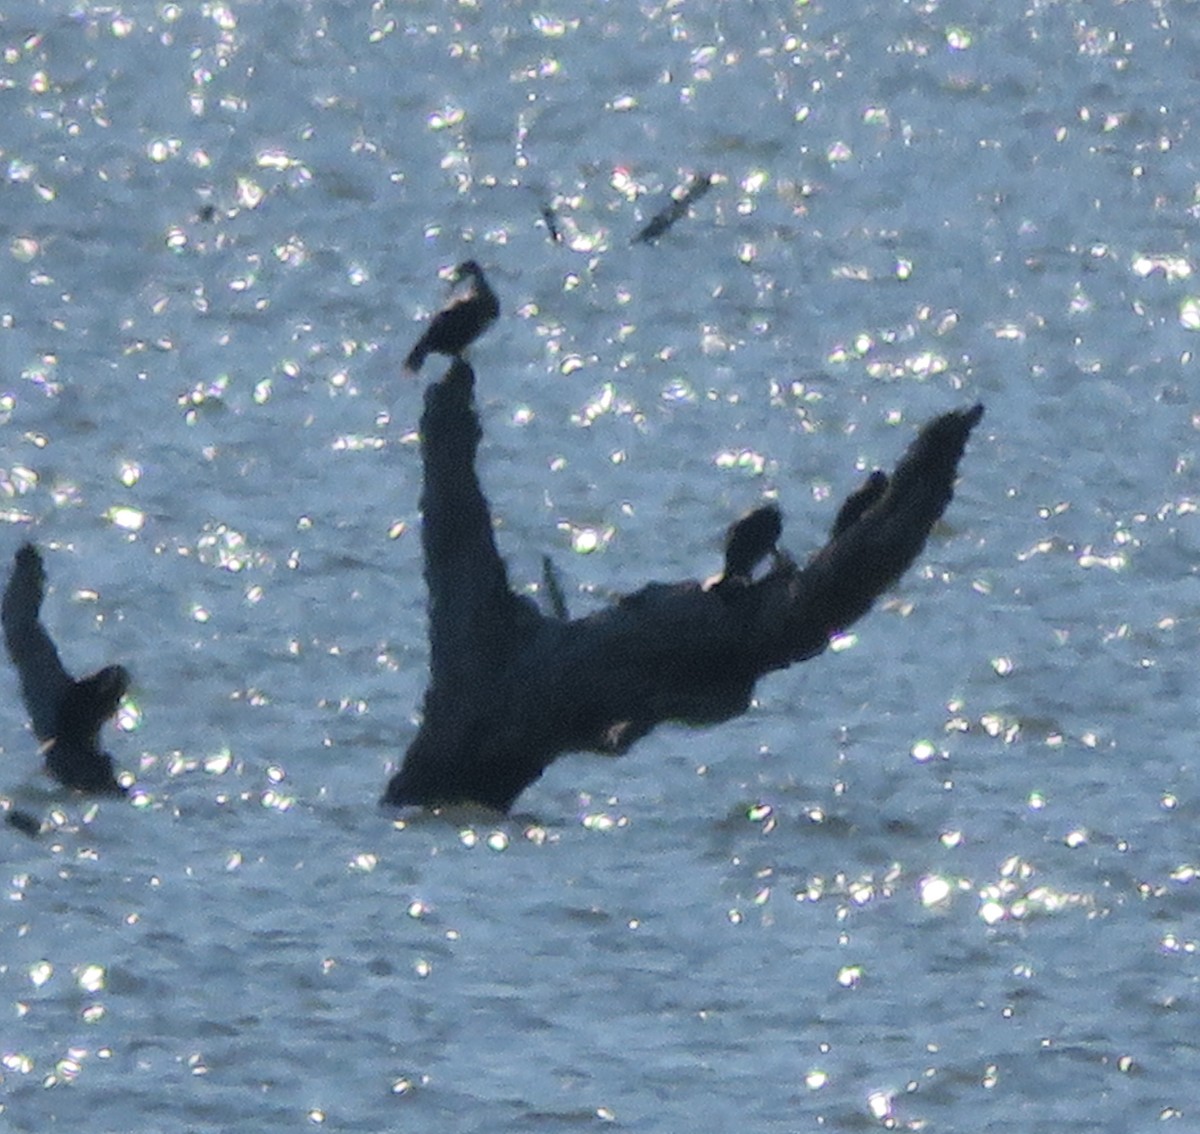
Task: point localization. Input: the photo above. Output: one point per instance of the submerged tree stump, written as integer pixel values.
(512, 688)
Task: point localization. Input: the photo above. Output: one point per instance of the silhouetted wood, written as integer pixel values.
(66, 714)
(512, 689)
(675, 211)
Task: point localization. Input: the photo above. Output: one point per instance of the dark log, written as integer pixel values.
(512, 689)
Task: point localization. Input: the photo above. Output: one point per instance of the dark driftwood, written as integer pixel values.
(675, 211)
(511, 689)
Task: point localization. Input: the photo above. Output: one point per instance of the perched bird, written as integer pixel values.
(457, 325)
(859, 501)
(749, 541)
(67, 714)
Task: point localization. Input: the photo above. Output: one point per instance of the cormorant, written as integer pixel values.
(748, 542)
(66, 714)
(858, 502)
(457, 325)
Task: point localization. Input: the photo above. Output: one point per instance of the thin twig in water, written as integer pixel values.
(696, 188)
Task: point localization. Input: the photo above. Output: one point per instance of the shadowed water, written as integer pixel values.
(942, 877)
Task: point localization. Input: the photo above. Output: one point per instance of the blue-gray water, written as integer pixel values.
(942, 879)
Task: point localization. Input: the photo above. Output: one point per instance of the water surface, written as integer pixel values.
(941, 879)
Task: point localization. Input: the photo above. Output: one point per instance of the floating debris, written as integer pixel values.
(692, 192)
(551, 223)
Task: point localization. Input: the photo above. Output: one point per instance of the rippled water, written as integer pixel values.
(941, 879)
